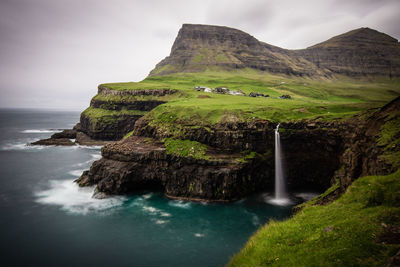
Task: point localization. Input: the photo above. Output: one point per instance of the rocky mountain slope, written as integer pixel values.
(359, 52)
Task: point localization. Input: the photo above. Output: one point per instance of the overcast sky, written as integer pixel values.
(54, 53)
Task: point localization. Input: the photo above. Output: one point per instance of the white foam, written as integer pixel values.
(147, 196)
(161, 221)
(88, 162)
(165, 214)
(39, 131)
(279, 201)
(96, 156)
(179, 204)
(198, 235)
(21, 146)
(76, 173)
(75, 199)
(150, 209)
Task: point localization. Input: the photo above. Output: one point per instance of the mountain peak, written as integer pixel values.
(359, 36)
(362, 51)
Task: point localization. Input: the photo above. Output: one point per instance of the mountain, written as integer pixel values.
(359, 52)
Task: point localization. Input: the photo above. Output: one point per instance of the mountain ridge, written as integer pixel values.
(362, 51)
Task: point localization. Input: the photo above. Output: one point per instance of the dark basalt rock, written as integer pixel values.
(109, 128)
(114, 127)
(227, 135)
(58, 139)
(68, 133)
(119, 105)
(317, 154)
(136, 164)
(54, 142)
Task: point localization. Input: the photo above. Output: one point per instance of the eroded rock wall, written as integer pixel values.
(316, 153)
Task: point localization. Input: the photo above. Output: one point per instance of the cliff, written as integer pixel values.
(238, 160)
(359, 52)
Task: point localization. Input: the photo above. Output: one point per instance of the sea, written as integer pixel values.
(47, 220)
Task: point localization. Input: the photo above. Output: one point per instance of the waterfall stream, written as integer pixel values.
(280, 192)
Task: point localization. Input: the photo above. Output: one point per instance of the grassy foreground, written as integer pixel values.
(347, 232)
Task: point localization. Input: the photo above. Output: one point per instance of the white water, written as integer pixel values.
(74, 199)
(280, 191)
(40, 131)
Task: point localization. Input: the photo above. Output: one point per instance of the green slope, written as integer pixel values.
(338, 98)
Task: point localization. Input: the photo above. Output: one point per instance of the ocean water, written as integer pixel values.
(47, 220)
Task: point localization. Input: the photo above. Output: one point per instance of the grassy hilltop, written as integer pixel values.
(311, 98)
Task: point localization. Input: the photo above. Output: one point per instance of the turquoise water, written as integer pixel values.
(46, 220)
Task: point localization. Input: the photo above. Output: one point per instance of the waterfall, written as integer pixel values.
(280, 192)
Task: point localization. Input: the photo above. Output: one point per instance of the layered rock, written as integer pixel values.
(359, 52)
(198, 47)
(62, 138)
(113, 113)
(317, 154)
(139, 163)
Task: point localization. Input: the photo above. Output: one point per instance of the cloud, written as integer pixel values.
(55, 53)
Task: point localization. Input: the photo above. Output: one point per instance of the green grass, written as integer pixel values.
(389, 138)
(134, 86)
(186, 148)
(338, 98)
(343, 233)
(333, 99)
(104, 115)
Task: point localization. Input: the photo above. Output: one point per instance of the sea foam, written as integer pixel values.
(74, 199)
(40, 131)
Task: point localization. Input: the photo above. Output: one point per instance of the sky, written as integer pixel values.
(54, 53)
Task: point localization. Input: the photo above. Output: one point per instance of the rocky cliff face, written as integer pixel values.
(200, 46)
(317, 154)
(139, 163)
(359, 52)
(113, 113)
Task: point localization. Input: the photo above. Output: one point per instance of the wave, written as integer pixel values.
(88, 162)
(147, 196)
(161, 221)
(20, 146)
(96, 156)
(179, 204)
(40, 131)
(150, 209)
(76, 173)
(74, 199)
(198, 235)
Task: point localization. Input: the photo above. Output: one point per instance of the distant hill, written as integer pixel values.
(359, 52)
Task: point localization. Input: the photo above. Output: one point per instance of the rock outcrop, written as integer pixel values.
(113, 113)
(62, 138)
(359, 52)
(139, 163)
(317, 154)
